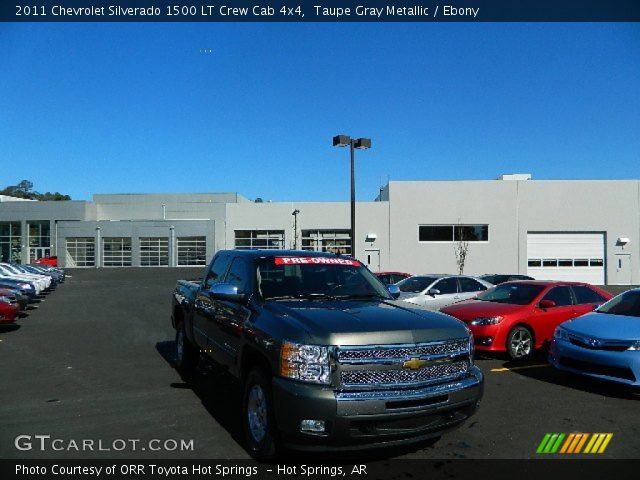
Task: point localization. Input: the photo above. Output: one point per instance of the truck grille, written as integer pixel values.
(376, 353)
(403, 376)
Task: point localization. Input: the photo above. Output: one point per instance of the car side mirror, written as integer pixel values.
(433, 292)
(547, 304)
(228, 292)
(394, 290)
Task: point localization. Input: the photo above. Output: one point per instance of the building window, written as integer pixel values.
(116, 252)
(81, 252)
(334, 241)
(265, 239)
(192, 251)
(39, 239)
(566, 262)
(154, 251)
(10, 242)
(453, 233)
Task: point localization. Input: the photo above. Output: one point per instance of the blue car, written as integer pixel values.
(603, 344)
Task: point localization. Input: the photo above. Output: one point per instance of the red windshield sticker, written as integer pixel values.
(316, 261)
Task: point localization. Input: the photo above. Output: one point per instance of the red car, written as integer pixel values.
(519, 317)
(391, 277)
(8, 312)
(51, 261)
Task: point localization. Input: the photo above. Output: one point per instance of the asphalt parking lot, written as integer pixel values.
(93, 361)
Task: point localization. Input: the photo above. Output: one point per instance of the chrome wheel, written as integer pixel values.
(257, 413)
(521, 343)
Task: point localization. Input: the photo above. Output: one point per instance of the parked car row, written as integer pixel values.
(21, 285)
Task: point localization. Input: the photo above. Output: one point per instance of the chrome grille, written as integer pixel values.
(403, 376)
(391, 352)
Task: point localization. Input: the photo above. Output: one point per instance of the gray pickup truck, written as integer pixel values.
(327, 356)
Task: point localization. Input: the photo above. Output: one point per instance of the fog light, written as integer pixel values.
(484, 340)
(312, 426)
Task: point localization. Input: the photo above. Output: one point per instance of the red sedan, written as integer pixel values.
(519, 317)
(8, 312)
(47, 260)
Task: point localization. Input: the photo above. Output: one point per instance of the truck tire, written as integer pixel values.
(257, 415)
(186, 354)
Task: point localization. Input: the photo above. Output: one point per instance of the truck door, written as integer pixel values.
(203, 309)
(231, 316)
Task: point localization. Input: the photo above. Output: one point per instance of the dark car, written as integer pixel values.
(25, 287)
(498, 278)
(326, 356)
(389, 278)
(15, 296)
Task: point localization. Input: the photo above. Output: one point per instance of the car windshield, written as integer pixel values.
(283, 278)
(512, 293)
(627, 303)
(415, 284)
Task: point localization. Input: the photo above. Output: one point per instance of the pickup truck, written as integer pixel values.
(328, 358)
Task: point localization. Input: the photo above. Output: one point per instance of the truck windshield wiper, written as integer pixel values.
(304, 296)
(361, 296)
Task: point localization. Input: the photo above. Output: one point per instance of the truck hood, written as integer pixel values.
(349, 322)
(470, 309)
(605, 326)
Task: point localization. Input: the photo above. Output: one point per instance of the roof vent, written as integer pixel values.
(515, 176)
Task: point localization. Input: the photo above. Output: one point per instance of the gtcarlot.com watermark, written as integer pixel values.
(44, 443)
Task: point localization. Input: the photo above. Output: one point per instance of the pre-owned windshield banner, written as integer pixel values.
(321, 11)
(316, 261)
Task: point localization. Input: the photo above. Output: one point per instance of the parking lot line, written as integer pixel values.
(505, 369)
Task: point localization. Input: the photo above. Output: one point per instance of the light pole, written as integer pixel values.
(360, 144)
(295, 228)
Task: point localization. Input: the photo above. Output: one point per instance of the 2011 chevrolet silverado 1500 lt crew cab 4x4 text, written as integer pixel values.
(327, 357)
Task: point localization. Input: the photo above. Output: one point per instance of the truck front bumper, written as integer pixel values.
(362, 419)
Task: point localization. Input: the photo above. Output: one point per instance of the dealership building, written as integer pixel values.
(585, 230)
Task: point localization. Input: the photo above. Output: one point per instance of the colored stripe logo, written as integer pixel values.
(574, 443)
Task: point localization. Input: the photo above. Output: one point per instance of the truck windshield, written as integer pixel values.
(513, 293)
(302, 278)
(627, 304)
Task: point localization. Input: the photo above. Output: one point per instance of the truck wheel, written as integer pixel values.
(520, 343)
(186, 353)
(257, 413)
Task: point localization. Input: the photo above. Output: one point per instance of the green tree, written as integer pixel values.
(24, 189)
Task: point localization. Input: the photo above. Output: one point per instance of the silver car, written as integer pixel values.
(436, 291)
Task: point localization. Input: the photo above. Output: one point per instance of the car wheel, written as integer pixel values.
(186, 353)
(257, 413)
(520, 343)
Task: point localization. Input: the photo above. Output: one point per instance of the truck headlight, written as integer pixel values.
(307, 363)
(635, 346)
(484, 321)
(561, 334)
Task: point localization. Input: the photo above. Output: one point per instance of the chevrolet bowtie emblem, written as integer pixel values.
(414, 363)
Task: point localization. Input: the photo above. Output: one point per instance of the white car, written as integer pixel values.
(438, 291)
(40, 281)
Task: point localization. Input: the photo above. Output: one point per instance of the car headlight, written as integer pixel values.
(561, 334)
(483, 321)
(307, 363)
(26, 286)
(635, 346)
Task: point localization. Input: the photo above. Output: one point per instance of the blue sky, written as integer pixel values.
(101, 108)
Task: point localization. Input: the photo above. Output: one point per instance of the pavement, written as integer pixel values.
(93, 363)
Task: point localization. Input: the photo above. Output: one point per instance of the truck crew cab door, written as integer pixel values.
(231, 316)
(204, 306)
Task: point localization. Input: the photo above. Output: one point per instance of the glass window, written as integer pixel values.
(218, 269)
(471, 233)
(192, 251)
(10, 242)
(154, 251)
(587, 295)
(581, 263)
(447, 286)
(627, 303)
(415, 284)
(565, 262)
(550, 262)
(435, 233)
(239, 274)
(470, 285)
(513, 293)
(334, 241)
(535, 263)
(263, 239)
(596, 262)
(560, 295)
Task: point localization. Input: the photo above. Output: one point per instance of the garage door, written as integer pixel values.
(566, 256)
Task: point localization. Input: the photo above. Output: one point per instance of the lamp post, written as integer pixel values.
(353, 144)
(295, 228)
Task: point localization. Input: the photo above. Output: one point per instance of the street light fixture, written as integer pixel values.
(360, 144)
(295, 228)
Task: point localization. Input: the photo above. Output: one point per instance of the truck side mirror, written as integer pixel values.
(228, 292)
(394, 290)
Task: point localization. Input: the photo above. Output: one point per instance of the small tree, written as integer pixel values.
(460, 247)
